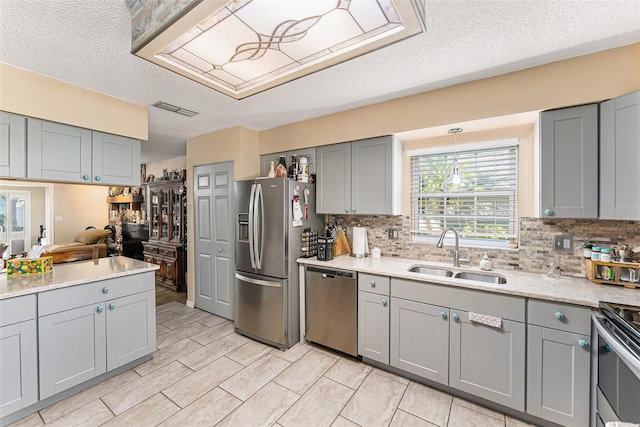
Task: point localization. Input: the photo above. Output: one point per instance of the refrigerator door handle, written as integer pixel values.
(252, 225)
(260, 241)
(258, 281)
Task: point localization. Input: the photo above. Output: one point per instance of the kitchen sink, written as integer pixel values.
(480, 277)
(432, 270)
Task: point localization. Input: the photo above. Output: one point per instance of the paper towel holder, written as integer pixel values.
(366, 246)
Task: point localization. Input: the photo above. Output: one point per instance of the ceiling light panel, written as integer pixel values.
(246, 46)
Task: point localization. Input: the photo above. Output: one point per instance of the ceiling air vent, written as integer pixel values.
(175, 109)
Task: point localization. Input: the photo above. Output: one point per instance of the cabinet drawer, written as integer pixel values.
(167, 252)
(492, 304)
(565, 317)
(373, 283)
(150, 248)
(71, 297)
(18, 309)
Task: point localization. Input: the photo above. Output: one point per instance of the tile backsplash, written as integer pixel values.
(534, 253)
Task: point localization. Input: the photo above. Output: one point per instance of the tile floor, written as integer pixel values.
(204, 374)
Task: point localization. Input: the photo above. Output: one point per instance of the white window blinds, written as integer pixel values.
(482, 208)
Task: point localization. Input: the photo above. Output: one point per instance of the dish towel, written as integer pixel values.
(485, 319)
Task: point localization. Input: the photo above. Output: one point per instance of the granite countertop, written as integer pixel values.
(73, 273)
(565, 289)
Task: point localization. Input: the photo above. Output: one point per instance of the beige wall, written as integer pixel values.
(155, 168)
(34, 95)
(79, 206)
(580, 80)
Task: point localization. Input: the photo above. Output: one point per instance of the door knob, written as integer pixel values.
(456, 317)
(373, 283)
(220, 250)
(548, 212)
(384, 302)
(583, 343)
(443, 314)
(112, 306)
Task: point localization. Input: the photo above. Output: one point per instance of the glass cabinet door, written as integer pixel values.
(164, 220)
(176, 217)
(154, 215)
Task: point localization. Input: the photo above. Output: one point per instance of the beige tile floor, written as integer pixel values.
(204, 374)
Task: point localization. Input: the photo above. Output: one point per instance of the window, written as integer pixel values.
(482, 209)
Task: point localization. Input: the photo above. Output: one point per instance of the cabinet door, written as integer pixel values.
(18, 366)
(131, 328)
(420, 339)
(333, 179)
(72, 348)
(373, 326)
(620, 157)
(58, 152)
(373, 175)
(486, 361)
(153, 212)
(115, 160)
(558, 373)
(13, 145)
(170, 272)
(569, 162)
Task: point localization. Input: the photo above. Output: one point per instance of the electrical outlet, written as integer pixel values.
(563, 243)
(393, 234)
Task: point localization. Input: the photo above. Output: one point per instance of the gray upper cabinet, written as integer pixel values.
(13, 145)
(333, 192)
(620, 157)
(266, 159)
(361, 177)
(59, 152)
(569, 162)
(420, 339)
(558, 362)
(373, 326)
(115, 159)
(18, 354)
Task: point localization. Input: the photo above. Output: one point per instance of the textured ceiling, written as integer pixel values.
(87, 43)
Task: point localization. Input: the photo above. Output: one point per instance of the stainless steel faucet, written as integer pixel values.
(456, 259)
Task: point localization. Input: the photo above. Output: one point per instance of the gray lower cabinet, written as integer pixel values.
(13, 145)
(360, 177)
(420, 339)
(569, 162)
(558, 362)
(620, 157)
(59, 152)
(373, 326)
(488, 362)
(18, 354)
(87, 330)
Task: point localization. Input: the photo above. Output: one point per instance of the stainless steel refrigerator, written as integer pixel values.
(267, 306)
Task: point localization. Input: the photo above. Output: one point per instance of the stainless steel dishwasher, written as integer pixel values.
(331, 301)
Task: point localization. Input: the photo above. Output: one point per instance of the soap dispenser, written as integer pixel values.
(485, 263)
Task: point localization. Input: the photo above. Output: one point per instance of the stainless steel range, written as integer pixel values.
(618, 363)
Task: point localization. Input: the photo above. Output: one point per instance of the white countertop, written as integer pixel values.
(561, 289)
(73, 273)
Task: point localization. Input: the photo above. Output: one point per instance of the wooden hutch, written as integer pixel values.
(167, 244)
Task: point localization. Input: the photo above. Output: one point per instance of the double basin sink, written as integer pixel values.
(433, 270)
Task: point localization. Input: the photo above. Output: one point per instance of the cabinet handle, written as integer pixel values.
(456, 317)
(98, 178)
(560, 315)
(99, 309)
(220, 250)
(112, 306)
(85, 177)
(346, 210)
(353, 210)
(384, 302)
(443, 314)
(548, 212)
(105, 290)
(583, 343)
(373, 283)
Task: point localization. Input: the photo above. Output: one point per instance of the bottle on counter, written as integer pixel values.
(485, 263)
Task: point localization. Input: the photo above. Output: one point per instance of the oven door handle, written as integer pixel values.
(625, 355)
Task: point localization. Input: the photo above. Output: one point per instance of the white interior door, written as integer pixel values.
(15, 221)
(214, 233)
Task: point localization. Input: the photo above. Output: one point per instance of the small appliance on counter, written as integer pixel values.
(325, 248)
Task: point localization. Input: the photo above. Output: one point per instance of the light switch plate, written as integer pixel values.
(563, 243)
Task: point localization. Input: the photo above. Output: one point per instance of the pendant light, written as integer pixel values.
(455, 179)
